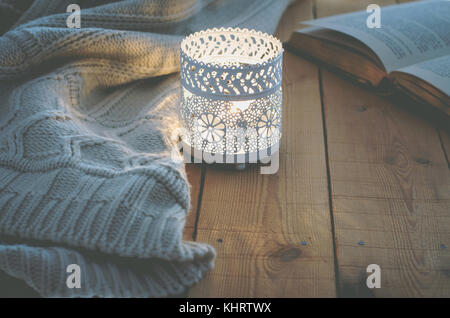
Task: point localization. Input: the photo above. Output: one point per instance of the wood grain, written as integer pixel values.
(390, 195)
(289, 22)
(390, 190)
(257, 223)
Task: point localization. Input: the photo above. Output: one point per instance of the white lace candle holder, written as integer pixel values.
(231, 96)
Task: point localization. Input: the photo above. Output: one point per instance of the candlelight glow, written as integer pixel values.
(232, 97)
(240, 105)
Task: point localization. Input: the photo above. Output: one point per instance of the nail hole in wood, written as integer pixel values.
(361, 108)
(422, 161)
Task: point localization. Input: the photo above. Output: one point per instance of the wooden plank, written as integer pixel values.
(390, 195)
(257, 223)
(390, 190)
(289, 22)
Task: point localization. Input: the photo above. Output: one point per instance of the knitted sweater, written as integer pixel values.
(86, 122)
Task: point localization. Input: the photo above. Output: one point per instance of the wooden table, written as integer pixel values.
(361, 181)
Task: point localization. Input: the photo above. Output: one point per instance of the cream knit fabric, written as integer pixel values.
(86, 116)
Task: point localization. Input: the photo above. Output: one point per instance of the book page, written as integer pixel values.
(410, 33)
(436, 72)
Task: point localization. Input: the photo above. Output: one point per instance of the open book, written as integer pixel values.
(411, 49)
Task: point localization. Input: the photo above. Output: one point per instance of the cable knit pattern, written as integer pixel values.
(86, 122)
